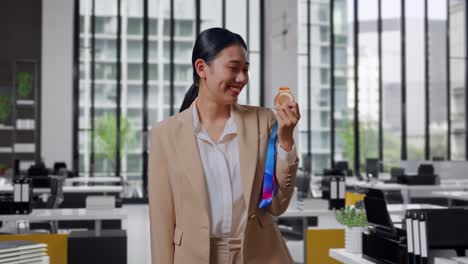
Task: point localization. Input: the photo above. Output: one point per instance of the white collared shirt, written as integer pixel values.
(222, 172)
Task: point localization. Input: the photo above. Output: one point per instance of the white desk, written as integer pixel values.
(457, 195)
(452, 260)
(41, 215)
(448, 185)
(320, 209)
(93, 180)
(344, 256)
(8, 188)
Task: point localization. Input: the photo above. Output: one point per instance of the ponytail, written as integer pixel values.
(190, 96)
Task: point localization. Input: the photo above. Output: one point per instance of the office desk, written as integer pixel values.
(452, 260)
(462, 196)
(86, 180)
(8, 188)
(449, 185)
(344, 256)
(41, 215)
(306, 210)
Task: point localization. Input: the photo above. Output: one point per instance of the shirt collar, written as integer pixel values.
(229, 128)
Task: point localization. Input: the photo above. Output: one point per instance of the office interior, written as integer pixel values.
(382, 141)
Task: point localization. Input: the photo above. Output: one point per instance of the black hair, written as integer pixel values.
(208, 45)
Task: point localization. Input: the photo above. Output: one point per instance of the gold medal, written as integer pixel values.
(284, 95)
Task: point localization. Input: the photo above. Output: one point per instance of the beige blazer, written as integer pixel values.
(178, 197)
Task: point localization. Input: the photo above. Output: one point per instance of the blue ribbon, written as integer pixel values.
(269, 183)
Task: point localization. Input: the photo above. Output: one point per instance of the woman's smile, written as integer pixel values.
(235, 90)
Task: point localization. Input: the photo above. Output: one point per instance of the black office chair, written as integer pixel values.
(302, 184)
(343, 167)
(425, 170)
(56, 196)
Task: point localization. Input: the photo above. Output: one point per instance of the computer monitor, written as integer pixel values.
(372, 168)
(377, 212)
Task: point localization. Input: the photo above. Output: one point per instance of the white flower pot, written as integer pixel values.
(353, 239)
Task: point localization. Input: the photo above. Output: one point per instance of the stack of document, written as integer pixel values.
(23, 252)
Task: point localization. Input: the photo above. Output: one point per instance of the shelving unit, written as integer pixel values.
(20, 132)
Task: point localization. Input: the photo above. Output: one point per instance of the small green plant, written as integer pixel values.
(24, 83)
(352, 217)
(3, 168)
(5, 108)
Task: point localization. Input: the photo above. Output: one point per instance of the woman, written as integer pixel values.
(207, 163)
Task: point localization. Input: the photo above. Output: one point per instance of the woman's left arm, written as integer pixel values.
(287, 116)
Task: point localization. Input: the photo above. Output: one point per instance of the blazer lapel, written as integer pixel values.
(247, 133)
(187, 148)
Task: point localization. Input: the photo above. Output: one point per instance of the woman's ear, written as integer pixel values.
(201, 67)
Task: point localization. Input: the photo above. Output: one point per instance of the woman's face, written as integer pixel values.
(227, 75)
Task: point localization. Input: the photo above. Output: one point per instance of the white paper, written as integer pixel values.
(409, 234)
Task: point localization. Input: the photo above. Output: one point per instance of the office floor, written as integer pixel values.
(138, 232)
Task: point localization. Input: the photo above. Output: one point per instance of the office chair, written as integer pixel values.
(56, 195)
(425, 170)
(302, 184)
(306, 163)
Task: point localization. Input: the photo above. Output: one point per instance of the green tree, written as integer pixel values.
(106, 136)
(368, 144)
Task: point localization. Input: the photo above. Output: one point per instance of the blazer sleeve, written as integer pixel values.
(161, 203)
(285, 177)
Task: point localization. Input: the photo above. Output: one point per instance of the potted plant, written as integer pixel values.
(355, 222)
(5, 109)
(24, 83)
(3, 168)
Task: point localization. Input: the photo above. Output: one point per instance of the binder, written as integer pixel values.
(423, 238)
(341, 188)
(337, 193)
(25, 191)
(416, 238)
(17, 192)
(409, 237)
(333, 189)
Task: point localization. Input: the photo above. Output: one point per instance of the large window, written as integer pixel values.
(118, 87)
(408, 71)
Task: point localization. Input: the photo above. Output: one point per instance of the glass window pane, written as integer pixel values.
(457, 79)
(368, 81)
(236, 17)
(211, 14)
(437, 12)
(415, 91)
(391, 83)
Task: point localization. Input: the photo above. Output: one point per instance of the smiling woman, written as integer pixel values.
(205, 183)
